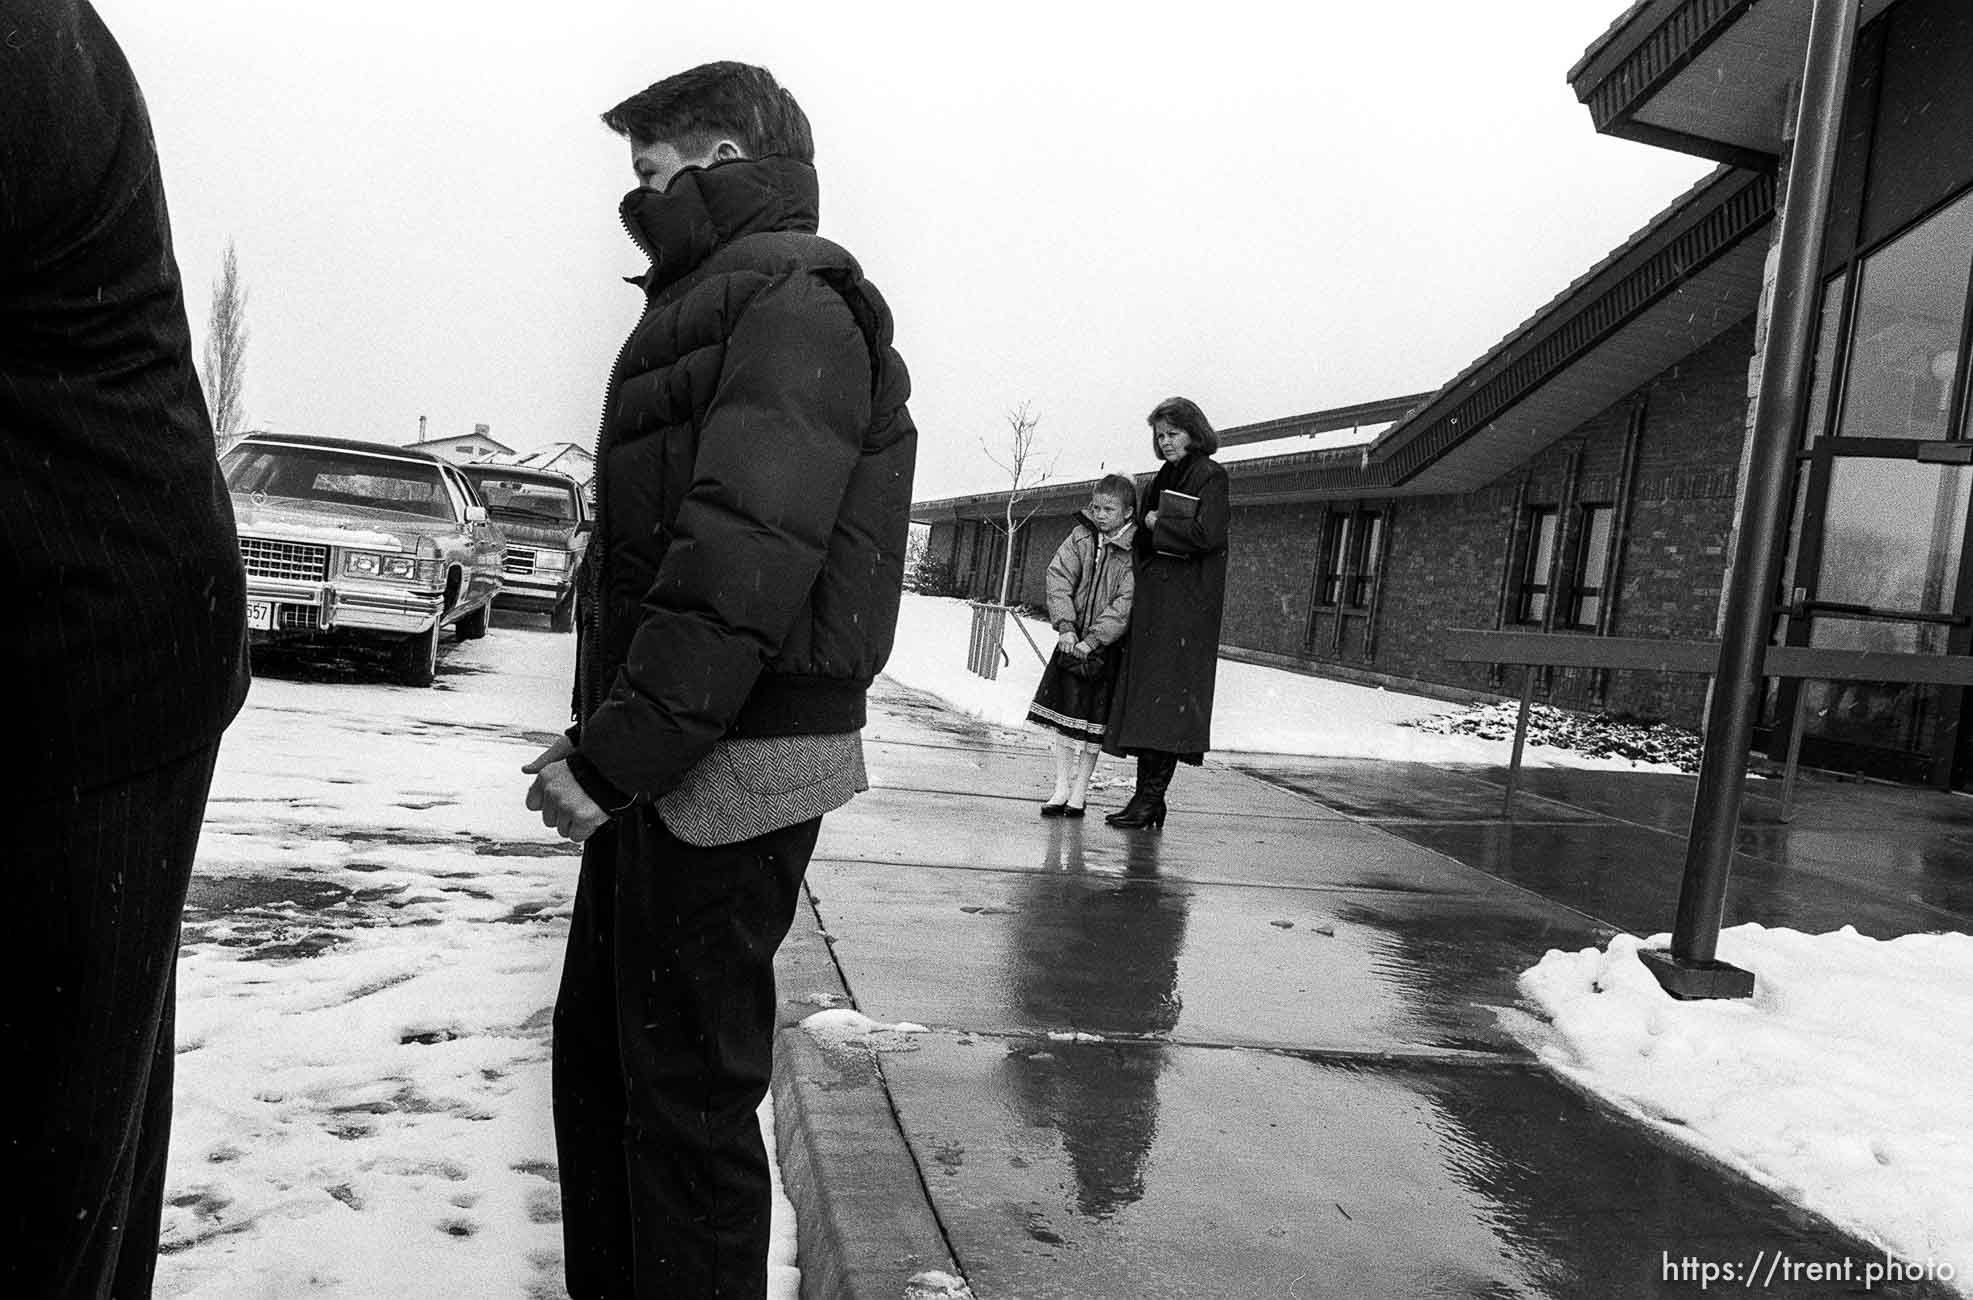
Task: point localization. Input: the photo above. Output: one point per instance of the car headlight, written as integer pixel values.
(369, 564)
(551, 561)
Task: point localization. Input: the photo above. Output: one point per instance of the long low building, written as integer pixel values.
(1583, 477)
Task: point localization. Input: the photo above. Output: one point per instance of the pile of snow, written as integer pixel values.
(1255, 709)
(933, 1284)
(1594, 735)
(840, 1026)
(1842, 1083)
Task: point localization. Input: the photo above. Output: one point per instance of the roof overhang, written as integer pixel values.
(1705, 77)
(1688, 278)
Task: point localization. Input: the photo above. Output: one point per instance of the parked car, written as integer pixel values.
(547, 524)
(351, 540)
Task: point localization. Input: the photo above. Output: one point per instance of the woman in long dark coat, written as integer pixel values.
(1162, 711)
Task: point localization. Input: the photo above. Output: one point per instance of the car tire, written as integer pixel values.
(473, 626)
(562, 617)
(417, 658)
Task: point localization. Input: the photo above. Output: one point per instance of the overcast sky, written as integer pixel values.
(1084, 207)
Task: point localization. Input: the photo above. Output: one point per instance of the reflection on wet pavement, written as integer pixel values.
(1889, 859)
(1264, 1052)
(1132, 1169)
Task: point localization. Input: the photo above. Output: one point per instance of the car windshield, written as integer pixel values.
(525, 496)
(331, 476)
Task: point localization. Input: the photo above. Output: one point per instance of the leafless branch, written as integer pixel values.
(225, 368)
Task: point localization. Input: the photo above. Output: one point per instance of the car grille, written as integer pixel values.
(298, 618)
(519, 560)
(301, 561)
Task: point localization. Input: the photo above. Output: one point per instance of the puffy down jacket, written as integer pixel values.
(753, 485)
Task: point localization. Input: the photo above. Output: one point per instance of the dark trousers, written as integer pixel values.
(95, 881)
(664, 1042)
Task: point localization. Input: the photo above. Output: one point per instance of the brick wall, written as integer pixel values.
(1270, 563)
(1674, 565)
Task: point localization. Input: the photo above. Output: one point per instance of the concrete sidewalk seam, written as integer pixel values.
(1162, 878)
(1453, 1056)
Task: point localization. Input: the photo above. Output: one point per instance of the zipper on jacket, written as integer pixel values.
(589, 694)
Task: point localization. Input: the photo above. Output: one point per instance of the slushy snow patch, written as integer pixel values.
(844, 1023)
(935, 1285)
(1843, 1083)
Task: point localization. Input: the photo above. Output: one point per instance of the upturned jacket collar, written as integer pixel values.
(707, 207)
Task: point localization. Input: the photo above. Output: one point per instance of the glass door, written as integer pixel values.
(1883, 480)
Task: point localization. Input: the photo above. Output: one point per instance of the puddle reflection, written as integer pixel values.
(1096, 951)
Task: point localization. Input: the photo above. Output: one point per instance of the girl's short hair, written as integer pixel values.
(1183, 413)
(1118, 487)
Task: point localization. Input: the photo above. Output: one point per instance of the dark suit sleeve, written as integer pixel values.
(1205, 532)
(775, 455)
(72, 123)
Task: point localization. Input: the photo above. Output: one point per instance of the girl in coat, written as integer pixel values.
(1089, 594)
(1163, 708)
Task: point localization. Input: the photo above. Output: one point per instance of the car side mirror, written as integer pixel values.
(475, 514)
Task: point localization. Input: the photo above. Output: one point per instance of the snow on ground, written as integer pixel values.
(1843, 1083)
(371, 950)
(1255, 709)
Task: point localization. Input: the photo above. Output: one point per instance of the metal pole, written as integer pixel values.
(1520, 741)
(1692, 970)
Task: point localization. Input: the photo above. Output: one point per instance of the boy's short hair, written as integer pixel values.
(694, 110)
(1118, 487)
(1183, 413)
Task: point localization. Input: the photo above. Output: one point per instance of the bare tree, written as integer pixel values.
(1018, 460)
(225, 369)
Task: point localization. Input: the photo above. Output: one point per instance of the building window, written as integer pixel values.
(1329, 570)
(1537, 561)
(976, 554)
(1366, 541)
(1592, 566)
(1346, 564)
(1905, 343)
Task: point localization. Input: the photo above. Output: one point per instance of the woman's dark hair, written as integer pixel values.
(694, 110)
(1183, 413)
(1118, 487)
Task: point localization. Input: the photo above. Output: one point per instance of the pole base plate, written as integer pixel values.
(1692, 980)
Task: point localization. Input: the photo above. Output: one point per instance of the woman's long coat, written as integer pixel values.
(1164, 698)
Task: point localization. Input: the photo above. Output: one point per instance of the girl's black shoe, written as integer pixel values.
(1057, 810)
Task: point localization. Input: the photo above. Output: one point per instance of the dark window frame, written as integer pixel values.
(1349, 559)
(1363, 562)
(1580, 592)
(1532, 589)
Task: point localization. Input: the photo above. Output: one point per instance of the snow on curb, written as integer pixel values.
(934, 1285)
(842, 1026)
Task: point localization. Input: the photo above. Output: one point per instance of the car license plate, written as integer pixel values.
(260, 615)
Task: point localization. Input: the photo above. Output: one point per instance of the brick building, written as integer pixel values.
(1583, 477)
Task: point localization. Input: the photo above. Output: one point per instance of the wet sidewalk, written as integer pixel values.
(1258, 1053)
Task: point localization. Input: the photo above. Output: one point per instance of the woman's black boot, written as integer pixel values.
(1147, 806)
